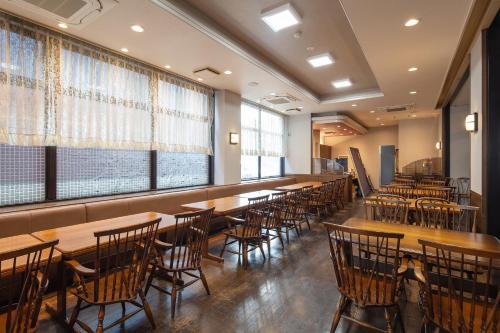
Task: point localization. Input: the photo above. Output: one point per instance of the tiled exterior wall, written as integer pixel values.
(182, 170)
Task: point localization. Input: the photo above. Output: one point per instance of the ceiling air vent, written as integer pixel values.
(397, 108)
(76, 13)
(206, 73)
(293, 110)
(280, 99)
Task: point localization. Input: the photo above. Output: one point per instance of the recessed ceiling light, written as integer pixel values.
(413, 92)
(345, 129)
(300, 107)
(354, 105)
(414, 116)
(342, 83)
(372, 111)
(378, 118)
(62, 25)
(320, 60)
(382, 124)
(310, 48)
(338, 126)
(228, 72)
(281, 17)
(272, 94)
(412, 69)
(167, 66)
(124, 49)
(137, 28)
(253, 84)
(200, 79)
(412, 22)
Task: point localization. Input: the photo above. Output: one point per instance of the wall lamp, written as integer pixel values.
(471, 122)
(234, 138)
(439, 145)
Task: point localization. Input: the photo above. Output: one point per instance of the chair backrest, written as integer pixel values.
(189, 237)
(459, 218)
(463, 185)
(121, 260)
(279, 198)
(431, 213)
(431, 182)
(365, 263)
(258, 203)
(23, 281)
(461, 287)
(404, 191)
(252, 225)
(393, 210)
(433, 192)
(277, 212)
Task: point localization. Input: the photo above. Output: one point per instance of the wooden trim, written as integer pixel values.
(153, 169)
(476, 200)
(445, 123)
(484, 130)
(471, 27)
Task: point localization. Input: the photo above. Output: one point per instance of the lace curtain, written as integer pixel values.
(262, 132)
(55, 90)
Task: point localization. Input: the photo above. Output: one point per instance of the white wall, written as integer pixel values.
(227, 119)
(459, 142)
(417, 140)
(369, 148)
(476, 98)
(298, 158)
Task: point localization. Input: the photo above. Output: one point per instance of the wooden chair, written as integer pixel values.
(433, 192)
(318, 200)
(23, 282)
(404, 191)
(295, 212)
(258, 203)
(339, 198)
(273, 223)
(431, 213)
(387, 208)
(183, 255)
(118, 276)
(460, 288)
(463, 190)
(368, 271)
(248, 235)
(458, 218)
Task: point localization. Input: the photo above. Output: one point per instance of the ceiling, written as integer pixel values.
(367, 39)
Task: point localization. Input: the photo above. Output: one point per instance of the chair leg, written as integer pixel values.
(262, 251)
(287, 233)
(398, 309)
(147, 309)
(204, 280)
(388, 321)
(278, 232)
(245, 255)
(124, 309)
(150, 279)
(75, 313)
(100, 319)
(268, 240)
(224, 247)
(307, 222)
(338, 313)
(296, 228)
(173, 295)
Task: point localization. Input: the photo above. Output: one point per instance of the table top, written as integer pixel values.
(298, 186)
(78, 239)
(256, 194)
(223, 206)
(20, 241)
(409, 244)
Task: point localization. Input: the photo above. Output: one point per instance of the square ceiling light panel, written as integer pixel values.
(342, 83)
(320, 60)
(281, 17)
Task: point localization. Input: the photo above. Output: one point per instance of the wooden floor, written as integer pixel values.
(293, 291)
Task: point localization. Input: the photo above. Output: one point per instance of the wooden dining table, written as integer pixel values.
(223, 206)
(78, 240)
(255, 194)
(409, 244)
(12, 243)
(298, 186)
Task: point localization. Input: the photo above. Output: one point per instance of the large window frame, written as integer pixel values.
(259, 156)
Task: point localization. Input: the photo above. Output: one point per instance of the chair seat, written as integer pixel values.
(237, 233)
(179, 260)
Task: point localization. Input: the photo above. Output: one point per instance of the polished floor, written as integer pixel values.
(292, 291)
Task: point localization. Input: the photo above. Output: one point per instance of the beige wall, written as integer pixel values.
(369, 148)
(417, 139)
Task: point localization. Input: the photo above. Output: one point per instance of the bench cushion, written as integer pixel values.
(108, 209)
(48, 218)
(12, 224)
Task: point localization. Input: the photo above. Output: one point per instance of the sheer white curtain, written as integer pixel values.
(182, 117)
(272, 131)
(105, 102)
(250, 130)
(23, 91)
(55, 90)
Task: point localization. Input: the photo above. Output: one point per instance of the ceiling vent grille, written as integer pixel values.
(280, 99)
(206, 73)
(76, 13)
(397, 108)
(293, 110)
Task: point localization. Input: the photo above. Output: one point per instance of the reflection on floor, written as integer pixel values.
(292, 291)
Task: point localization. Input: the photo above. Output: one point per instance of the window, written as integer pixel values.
(262, 142)
(102, 111)
(182, 170)
(94, 172)
(22, 174)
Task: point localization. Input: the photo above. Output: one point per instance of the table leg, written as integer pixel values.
(59, 312)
